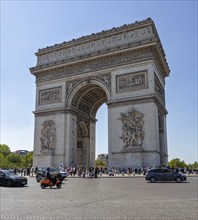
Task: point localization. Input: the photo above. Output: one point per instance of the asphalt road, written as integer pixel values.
(101, 198)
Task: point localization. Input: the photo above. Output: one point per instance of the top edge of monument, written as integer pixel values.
(94, 35)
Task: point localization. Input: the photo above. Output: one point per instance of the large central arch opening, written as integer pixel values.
(102, 130)
(87, 100)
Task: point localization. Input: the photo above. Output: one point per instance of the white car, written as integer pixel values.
(63, 174)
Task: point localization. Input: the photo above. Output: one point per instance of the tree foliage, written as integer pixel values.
(174, 163)
(10, 160)
(27, 160)
(14, 159)
(195, 165)
(177, 163)
(4, 149)
(101, 163)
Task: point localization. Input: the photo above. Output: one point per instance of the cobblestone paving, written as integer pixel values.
(102, 198)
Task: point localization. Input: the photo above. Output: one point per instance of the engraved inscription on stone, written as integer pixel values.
(132, 128)
(48, 136)
(131, 81)
(48, 96)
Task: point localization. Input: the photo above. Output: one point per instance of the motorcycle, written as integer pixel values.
(47, 182)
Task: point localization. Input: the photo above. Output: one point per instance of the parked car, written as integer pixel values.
(164, 174)
(10, 178)
(42, 171)
(63, 174)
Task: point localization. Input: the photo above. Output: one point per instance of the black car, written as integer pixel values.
(10, 178)
(42, 172)
(164, 174)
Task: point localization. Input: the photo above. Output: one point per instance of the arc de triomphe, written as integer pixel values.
(125, 68)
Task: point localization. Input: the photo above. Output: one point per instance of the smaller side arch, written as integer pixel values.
(82, 129)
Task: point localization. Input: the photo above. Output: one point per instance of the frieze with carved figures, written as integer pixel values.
(48, 136)
(94, 45)
(132, 128)
(97, 64)
(49, 96)
(131, 81)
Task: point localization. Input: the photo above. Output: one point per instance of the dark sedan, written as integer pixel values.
(163, 174)
(9, 178)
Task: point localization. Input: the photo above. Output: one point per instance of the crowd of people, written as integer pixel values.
(92, 172)
(26, 171)
(95, 172)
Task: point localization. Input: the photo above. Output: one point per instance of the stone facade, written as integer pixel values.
(125, 68)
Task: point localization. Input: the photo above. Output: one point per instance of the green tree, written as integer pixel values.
(189, 166)
(27, 160)
(195, 165)
(4, 164)
(13, 161)
(101, 163)
(1, 160)
(177, 163)
(4, 149)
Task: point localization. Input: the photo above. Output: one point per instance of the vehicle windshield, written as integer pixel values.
(10, 173)
(54, 170)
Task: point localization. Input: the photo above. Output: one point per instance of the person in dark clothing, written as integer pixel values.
(96, 172)
(51, 178)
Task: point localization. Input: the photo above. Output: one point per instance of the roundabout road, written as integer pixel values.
(101, 198)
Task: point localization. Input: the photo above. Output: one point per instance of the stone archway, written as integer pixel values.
(84, 99)
(123, 67)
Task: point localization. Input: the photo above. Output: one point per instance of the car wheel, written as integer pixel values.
(43, 186)
(58, 185)
(152, 179)
(178, 180)
(8, 183)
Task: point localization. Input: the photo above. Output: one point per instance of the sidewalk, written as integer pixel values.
(121, 176)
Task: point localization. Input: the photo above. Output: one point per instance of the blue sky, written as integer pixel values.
(27, 26)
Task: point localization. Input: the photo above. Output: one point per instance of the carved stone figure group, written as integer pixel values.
(48, 136)
(132, 128)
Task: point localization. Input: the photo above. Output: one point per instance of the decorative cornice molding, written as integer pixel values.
(137, 151)
(114, 60)
(93, 36)
(51, 111)
(66, 110)
(138, 100)
(102, 43)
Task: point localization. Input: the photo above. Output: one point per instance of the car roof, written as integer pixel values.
(6, 170)
(159, 169)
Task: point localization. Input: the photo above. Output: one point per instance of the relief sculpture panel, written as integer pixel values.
(48, 136)
(131, 81)
(49, 96)
(132, 128)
